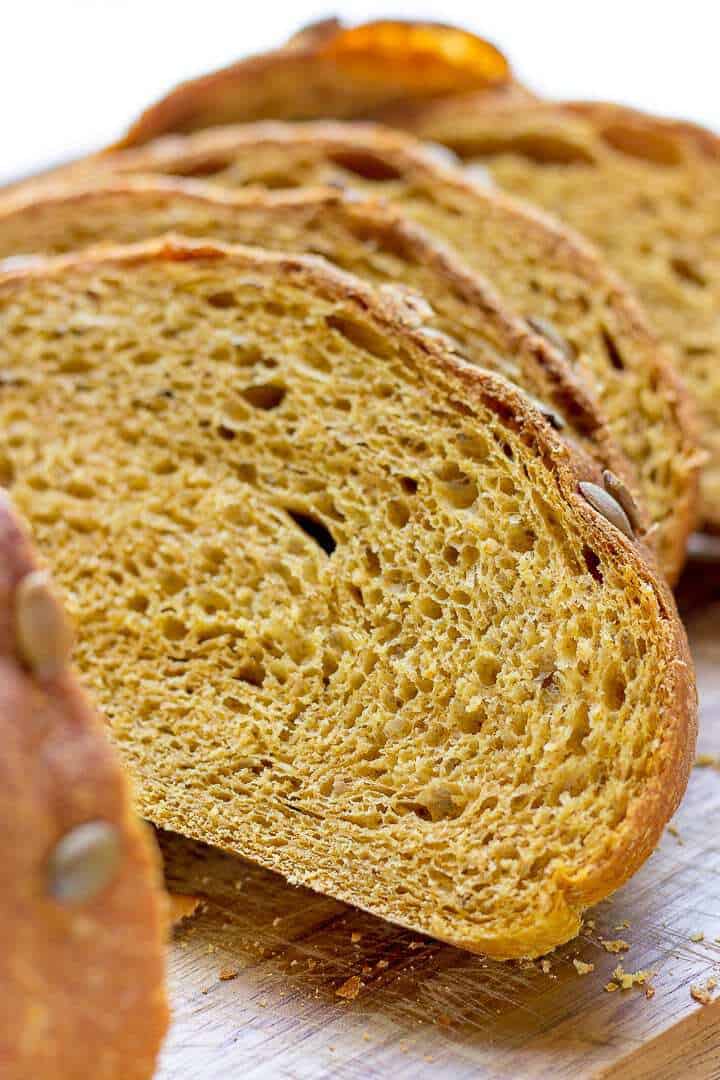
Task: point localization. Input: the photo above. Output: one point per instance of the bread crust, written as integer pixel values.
(328, 69)
(208, 152)
(81, 982)
(605, 867)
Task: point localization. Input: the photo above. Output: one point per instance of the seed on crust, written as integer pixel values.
(606, 505)
(83, 862)
(615, 487)
(43, 634)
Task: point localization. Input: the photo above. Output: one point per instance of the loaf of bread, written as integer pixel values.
(545, 273)
(645, 190)
(331, 70)
(364, 237)
(82, 911)
(351, 607)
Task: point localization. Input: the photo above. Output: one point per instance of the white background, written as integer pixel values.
(74, 73)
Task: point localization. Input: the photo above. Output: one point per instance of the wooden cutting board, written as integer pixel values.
(255, 972)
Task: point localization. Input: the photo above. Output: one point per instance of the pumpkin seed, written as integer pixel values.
(83, 862)
(551, 334)
(606, 505)
(43, 634)
(616, 488)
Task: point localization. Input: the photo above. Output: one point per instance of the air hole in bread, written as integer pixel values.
(688, 271)
(612, 350)
(614, 688)
(264, 395)
(225, 432)
(366, 165)
(398, 513)
(252, 673)
(592, 561)
(173, 629)
(544, 149)
(315, 529)
(359, 335)
(653, 146)
(222, 299)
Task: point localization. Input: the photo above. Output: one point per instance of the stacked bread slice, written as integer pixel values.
(82, 908)
(363, 483)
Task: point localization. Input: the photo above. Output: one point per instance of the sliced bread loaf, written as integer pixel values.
(645, 190)
(545, 273)
(366, 238)
(82, 911)
(331, 70)
(351, 607)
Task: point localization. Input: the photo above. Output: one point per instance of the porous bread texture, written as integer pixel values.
(360, 236)
(540, 269)
(81, 981)
(646, 191)
(337, 591)
(328, 69)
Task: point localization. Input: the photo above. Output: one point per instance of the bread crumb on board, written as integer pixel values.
(626, 980)
(697, 936)
(615, 945)
(582, 968)
(708, 761)
(704, 995)
(350, 988)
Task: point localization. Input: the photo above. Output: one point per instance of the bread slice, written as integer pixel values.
(82, 910)
(360, 236)
(644, 189)
(351, 607)
(331, 70)
(544, 272)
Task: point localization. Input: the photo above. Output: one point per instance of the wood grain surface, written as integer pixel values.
(255, 972)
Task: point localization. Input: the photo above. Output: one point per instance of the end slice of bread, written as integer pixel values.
(82, 910)
(543, 271)
(351, 607)
(331, 70)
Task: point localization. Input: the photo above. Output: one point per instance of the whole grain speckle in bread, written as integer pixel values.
(645, 190)
(425, 280)
(304, 542)
(82, 911)
(541, 270)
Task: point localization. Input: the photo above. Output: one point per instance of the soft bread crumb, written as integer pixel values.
(582, 968)
(703, 994)
(227, 973)
(616, 946)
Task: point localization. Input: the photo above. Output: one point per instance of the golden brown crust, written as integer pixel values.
(209, 153)
(329, 70)
(81, 982)
(602, 869)
(304, 220)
